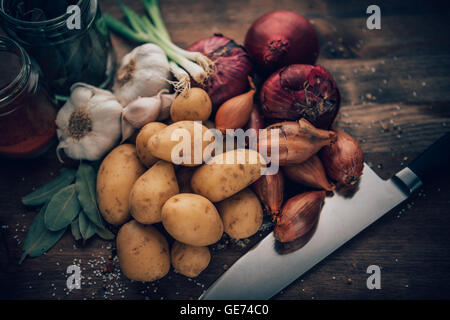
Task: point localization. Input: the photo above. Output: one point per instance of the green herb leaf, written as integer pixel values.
(87, 195)
(87, 228)
(62, 209)
(105, 234)
(75, 228)
(39, 239)
(43, 194)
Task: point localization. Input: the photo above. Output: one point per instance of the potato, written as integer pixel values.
(241, 214)
(218, 180)
(188, 260)
(142, 139)
(161, 144)
(192, 219)
(194, 105)
(151, 191)
(143, 252)
(116, 176)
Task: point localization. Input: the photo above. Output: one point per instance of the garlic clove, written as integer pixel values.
(142, 111)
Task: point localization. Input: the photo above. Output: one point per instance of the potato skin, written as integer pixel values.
(143, 152)
(143, 252)
(151, 191)
(192, 219)
(116, 176)
(195, 105)
(217, 180)
(161, 143)
(188, 260)
(241, 214)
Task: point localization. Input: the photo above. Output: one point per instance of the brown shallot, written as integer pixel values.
(298, 141)
(310, 173)
(299, 215)
(235, 113)
(343, 161)
(269, 189)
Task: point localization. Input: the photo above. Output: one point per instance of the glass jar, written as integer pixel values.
(27, 114)
(65, 55)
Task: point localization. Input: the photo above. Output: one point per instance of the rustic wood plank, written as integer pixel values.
(393, 125)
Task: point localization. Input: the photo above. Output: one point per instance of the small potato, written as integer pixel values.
(151, 191)
(142, 139)
(179, 138)
(116, 176)
(192, 219)
(193, 105)
(241, 214)
(188, 260)
(222, 177)
(143, 252)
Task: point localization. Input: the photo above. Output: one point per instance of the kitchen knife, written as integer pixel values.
(264, 270)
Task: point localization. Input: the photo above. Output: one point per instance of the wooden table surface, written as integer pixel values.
(395, 84)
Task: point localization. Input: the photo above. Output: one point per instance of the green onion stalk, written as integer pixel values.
(142, 29)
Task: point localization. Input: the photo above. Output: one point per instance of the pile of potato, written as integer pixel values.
(194, 204)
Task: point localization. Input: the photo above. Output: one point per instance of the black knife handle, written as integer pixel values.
(433, 161)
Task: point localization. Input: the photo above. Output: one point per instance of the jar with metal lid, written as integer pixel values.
(27, 114)
(70, 45)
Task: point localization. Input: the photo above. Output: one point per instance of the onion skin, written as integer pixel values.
(270, 191)
(298, 141)
(232, 68)
(301, 91)
(343, 161)
(281, 38)
(310, 173)
(299, 215)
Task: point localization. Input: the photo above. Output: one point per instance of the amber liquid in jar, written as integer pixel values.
(27, 114)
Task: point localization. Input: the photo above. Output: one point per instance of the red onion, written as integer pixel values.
(301, 91)
(281, 38)
(232, 68)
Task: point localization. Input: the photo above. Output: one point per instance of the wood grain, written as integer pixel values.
(395, 84)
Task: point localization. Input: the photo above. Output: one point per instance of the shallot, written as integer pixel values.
(299, 215)
(343, 161)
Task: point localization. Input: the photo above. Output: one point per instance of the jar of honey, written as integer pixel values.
(27, 114)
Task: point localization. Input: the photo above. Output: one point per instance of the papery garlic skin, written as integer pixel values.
(89, 123)
(144, 72)
(144, 110)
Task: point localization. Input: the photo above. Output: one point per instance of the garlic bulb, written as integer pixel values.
(143, 72)
(144, 110)
(89, 124)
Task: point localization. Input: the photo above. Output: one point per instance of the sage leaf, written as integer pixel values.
(105, 234)
(75, 228)
(39, 239)
(43, 194)
(87, 227)
(87, 193)
(62, 209)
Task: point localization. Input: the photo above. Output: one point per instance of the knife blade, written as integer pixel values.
(264, 270)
